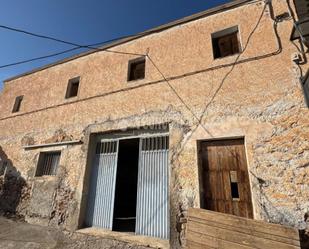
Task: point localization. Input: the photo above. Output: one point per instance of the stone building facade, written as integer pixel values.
(191, 89)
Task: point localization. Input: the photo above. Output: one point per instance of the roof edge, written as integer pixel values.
(199, 15)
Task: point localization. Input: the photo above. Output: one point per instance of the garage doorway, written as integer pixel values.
(126, 186)
(224, 177)
(129, 184)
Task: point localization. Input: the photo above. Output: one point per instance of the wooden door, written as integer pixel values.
(224, 175)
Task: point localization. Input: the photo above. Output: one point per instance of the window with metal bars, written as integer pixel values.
(155, 143)
(48, 163)
(106, 147)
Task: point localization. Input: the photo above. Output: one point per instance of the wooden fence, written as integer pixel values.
(208, 229)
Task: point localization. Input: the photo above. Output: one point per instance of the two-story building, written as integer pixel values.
(207, 111)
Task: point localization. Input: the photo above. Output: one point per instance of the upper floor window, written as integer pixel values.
(17, 103)
(72, 89)
(136, 69)
(226, 42)
(48, 163)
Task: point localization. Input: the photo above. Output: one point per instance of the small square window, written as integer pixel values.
(48, 163)
(226, 42)
(136, 69)
(72, 89)
(17, 103)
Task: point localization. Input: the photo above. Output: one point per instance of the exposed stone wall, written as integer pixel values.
(14, 190)
(259, 99)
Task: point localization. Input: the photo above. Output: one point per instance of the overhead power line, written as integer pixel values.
(91, 47)
(38, 58)
(60, 40)
(41, 36)
(76, 46)
(199, 119)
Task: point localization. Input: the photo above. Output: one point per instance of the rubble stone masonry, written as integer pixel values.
(259, 98)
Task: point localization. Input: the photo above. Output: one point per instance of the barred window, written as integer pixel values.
(48, 163)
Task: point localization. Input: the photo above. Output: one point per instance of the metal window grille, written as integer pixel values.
(48, 163)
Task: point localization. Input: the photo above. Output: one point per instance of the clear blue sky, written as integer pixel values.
(82, 22)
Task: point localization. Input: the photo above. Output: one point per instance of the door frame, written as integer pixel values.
(118, 136)
(200, 167)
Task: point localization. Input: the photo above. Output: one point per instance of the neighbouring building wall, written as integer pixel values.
(258, 98)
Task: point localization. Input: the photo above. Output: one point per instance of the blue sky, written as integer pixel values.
(82, 22)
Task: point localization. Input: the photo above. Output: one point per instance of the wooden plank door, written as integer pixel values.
(225, 178)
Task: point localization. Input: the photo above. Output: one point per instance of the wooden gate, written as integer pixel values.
(225, 179)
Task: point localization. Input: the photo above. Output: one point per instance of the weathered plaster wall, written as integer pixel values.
(260, 99)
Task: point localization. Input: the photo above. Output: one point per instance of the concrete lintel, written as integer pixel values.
(29, 147)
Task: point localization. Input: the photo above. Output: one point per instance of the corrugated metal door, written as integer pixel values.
(152, 217)
(102, 185)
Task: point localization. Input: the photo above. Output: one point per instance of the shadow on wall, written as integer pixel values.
(12, 187)
(304, 234)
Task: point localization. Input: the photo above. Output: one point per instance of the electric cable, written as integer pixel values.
(76, 46)
(63, 41)
(199, 119)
